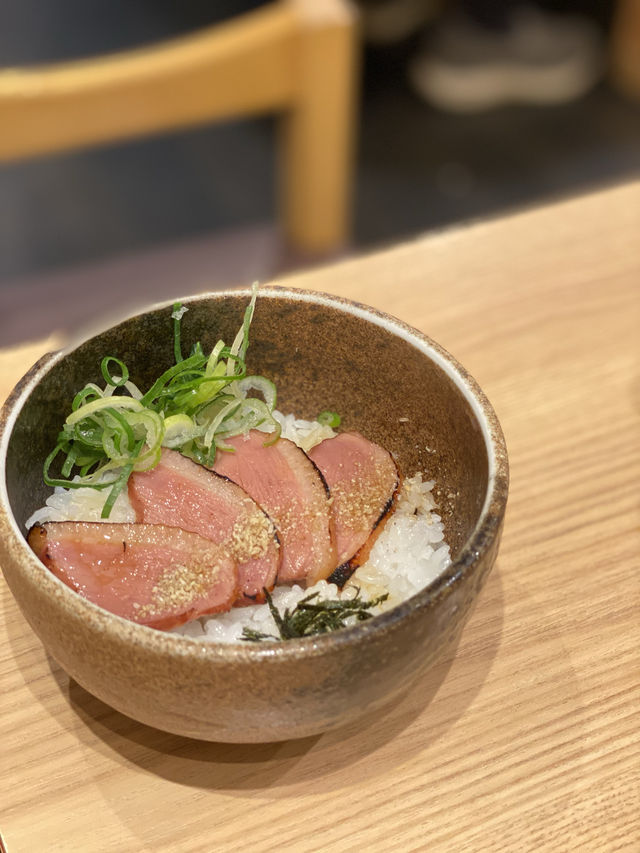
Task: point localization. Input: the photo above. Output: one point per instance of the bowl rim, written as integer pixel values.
(481, 538)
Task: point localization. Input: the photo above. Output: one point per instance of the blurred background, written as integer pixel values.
(460, 110)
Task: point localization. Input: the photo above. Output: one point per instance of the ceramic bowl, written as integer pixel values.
(388, 381)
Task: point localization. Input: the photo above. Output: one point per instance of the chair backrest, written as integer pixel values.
(295, 57)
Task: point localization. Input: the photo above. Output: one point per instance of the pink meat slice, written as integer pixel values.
(363, 479)
(181, 493)
(283, 480)
(151, 574)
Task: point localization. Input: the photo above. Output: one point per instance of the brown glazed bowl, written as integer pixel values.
(388, 381)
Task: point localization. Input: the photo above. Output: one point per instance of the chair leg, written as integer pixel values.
(318, 132)
(625, 47)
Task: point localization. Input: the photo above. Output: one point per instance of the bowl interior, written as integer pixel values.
(321, 354)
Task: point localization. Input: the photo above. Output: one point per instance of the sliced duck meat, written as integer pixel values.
(151, 574)
(181, 493)
(284, 481)
(363, 479)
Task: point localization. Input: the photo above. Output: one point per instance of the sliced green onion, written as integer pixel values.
(248, 317)
(103, 403)
(176, 315)
(133, 389)
(329, 418)
(275, 435)
(87, 431)
(155, 390)
(193, 395)
(212, 363)
(263, 385)
(178, 430)
(222, 445)
(251, 414)
(225, 413)
(124, 425)
(193, 406)
(241, 341)
(118, 486)
(88, 393)
(66, 483)
(148, 428)
(116, 381)
(69, 462)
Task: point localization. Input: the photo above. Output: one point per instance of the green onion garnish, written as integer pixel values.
(330, 419)
(177, 315)
(116, 381)
(193, 407)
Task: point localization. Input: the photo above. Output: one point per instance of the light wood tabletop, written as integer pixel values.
(526, 737)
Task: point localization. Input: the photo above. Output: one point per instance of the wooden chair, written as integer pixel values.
(294, 57)
(625, 47)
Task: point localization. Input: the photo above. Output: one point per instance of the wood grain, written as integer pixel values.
(523, 739)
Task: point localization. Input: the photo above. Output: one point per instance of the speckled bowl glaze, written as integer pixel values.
(388, 381)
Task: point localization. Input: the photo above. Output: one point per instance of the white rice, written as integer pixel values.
(306, 434)
(409, 553)
(82, 505)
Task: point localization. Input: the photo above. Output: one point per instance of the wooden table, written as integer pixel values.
(526, 739)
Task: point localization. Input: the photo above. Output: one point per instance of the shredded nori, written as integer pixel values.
(310, 616)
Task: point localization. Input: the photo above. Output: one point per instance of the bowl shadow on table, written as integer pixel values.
(252, 767)
(435, 703)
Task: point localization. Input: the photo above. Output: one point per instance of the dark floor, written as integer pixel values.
(420, 169)
(69, 223)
